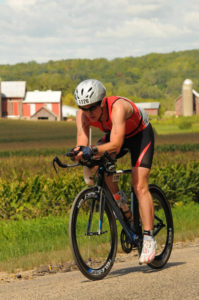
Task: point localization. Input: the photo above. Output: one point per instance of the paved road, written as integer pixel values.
(178, 280)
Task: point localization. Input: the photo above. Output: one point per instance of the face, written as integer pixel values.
(93, 111)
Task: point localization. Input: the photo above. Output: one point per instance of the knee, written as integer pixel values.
(140, 189)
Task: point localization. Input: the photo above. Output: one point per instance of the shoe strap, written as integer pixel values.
(148, 232)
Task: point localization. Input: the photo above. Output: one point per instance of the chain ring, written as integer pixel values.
(125, 243)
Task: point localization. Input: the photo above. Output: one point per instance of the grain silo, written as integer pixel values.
(187, 98)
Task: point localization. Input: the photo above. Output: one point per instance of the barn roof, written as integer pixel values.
(43, 97)
(195, 93)
(13, 89)
(148, 105)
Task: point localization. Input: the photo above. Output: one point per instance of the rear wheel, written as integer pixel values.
(163, 227)
(93, 252)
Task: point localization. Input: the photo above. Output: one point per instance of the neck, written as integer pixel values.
(101, 115)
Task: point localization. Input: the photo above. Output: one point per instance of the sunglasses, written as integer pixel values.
(91, 108)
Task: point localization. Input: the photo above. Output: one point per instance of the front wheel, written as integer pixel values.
(163, 227)
(94, 250)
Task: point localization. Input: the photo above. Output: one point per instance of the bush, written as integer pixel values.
(185, 124)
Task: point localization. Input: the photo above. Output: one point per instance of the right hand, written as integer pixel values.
(80, 152)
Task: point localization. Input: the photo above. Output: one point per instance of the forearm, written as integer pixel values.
(82, 140)
(109, 147)
(82, 130)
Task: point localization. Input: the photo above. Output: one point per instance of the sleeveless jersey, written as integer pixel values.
(136, 123)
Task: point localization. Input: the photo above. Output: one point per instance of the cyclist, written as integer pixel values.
(126, 126)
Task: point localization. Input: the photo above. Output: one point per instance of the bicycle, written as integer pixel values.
(92, 225)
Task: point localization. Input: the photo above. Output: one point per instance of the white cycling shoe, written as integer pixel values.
(148, 250)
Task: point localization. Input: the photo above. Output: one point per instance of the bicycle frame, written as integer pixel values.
(101, 212)
(109, 198)
(101, 185)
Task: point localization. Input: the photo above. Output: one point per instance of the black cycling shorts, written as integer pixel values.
(141, 147)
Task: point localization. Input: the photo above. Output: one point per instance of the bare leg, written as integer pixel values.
(140, 178)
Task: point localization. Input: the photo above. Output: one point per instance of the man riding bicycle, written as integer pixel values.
(126, 126)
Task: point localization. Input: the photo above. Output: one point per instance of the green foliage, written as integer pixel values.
(176, 147)
(30, 196)
(26, 244)
(179, 181)
(38, 195)
(156, 76)
(24, 237)
(185, 124)
(30, 188)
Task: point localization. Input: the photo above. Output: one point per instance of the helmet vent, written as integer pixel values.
(90, 89)
(82, 91)
(91, 94)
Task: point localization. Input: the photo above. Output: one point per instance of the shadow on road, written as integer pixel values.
(144, 269)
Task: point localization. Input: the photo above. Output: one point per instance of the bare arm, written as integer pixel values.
(82, 129)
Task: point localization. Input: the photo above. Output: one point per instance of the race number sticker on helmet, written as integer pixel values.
(89, 91)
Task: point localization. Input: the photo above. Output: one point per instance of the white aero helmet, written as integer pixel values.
(89, 91)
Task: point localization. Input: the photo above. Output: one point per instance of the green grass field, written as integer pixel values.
(27, 244)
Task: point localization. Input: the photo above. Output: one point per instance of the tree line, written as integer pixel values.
(152, 77)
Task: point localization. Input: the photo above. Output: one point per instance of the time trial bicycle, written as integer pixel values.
(94, 217)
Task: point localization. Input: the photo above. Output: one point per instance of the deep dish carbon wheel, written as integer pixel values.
(163, 227)
(94, 253)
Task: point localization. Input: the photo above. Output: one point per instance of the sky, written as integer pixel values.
(43, 30)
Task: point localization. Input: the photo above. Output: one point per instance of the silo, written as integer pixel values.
(0, 100)
(187, 98)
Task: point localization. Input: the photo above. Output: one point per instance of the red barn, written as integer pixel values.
(15, 102)
(12, 96)
(43, 105)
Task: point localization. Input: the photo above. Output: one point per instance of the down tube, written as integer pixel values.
(115, 208)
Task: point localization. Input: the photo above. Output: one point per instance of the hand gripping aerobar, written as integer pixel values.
(87, 155)
(87, 152)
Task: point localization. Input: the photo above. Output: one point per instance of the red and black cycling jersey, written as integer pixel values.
(134, 124)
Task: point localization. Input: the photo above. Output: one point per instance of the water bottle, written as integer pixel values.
(87, 173)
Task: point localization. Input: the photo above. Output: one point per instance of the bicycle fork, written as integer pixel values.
(98, 196)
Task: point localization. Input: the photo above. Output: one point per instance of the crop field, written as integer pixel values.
(32, 195)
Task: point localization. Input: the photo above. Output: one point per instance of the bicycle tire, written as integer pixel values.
(94, 254)
(164, 237)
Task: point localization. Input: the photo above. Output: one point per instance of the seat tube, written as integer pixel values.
(132, 200)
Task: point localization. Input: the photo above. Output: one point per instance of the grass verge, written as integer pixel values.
(27, 244)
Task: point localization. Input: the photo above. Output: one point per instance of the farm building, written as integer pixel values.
(16, 102)
(12, 96)
(68, 111)
(45, 105)
(187, 104)
(152, 108)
